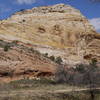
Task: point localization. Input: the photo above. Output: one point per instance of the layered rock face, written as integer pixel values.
(58, 25)
(21, 62)
(59, 30)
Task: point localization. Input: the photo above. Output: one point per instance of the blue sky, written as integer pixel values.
(89, 9)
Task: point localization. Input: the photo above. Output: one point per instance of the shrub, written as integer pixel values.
(93, 61)
(64, 75)
(6, 48)
(23, 20)
(52, 58)
(1, 40)
(15, 42)
(61, 74)
(46, 55)
(83, 74)
(59, 60)
(80, 68)
(32, 50)
(35, 51)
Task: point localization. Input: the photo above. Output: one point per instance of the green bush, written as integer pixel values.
(93, 61)
(15, 41)
(52, 58)
(59, 60)
(1, 40)
(6, 48)
(80, 68)
(32, 50)
(35, 51)
(23, 20)
(46, 55)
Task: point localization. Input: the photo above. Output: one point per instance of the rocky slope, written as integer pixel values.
(58, 30)
(19, 61)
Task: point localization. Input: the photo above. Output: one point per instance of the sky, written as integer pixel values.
(89, 9)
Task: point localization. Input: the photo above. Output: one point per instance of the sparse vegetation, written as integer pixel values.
(15, 42)
(83, 74)
(43, 89)
(1, 40)
(59, 60)
(23, 20)
(80, 68)
(35, 51)
(32, 50)
(61, 75)
(80, 75)
(52, 58)
(67, 79)
(6, 48)
(46, 55)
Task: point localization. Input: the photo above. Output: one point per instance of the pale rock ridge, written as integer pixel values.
(62, 8)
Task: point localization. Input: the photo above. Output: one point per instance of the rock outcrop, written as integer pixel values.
(19, 62)
(58, 30)
(59, 25)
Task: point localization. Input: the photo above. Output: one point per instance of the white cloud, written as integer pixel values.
(26, 1)
(96, 23)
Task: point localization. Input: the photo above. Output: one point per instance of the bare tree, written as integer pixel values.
(83, 74)
(90, 77)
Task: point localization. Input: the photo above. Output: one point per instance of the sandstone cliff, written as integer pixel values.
(59, 30)
(19, 62)
(58, 25)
